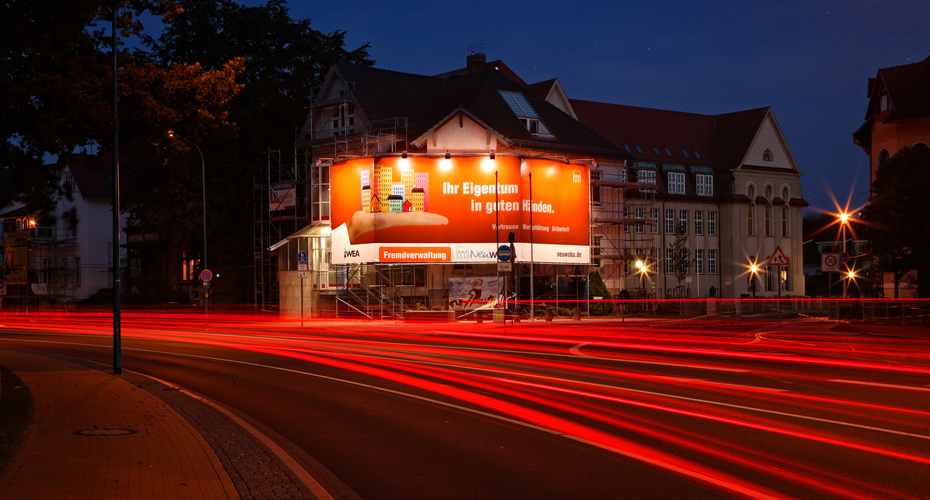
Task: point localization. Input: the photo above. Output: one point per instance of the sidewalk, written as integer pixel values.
(176, 446)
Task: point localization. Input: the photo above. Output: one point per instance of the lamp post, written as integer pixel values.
(203, 173)
(753, 269)
(844, 220)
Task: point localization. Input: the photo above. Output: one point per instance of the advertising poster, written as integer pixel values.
(15, 252)
(432, 210)
(283, 196)
(475, 292)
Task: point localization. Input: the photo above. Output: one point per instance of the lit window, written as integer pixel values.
(676, 183)
(685, 152)
(668, 152)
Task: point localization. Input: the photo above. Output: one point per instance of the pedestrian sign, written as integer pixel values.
(301, 257)
(779, 258)
(206, 275)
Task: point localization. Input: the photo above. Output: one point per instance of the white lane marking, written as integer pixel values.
(577, 351)
(689, 472)
(908, 387)
(652, 393)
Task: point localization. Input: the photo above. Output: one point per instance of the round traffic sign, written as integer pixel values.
(301, 257)
(830, 260)
(503, 253)
(206, 275)
(844, 257)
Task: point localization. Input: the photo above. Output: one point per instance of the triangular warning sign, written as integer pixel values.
(778, 258)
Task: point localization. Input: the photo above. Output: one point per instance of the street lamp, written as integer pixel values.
(844, 221)
(203, 173)
(753, 269)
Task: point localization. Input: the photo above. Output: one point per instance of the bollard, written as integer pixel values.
(549, 314)
(577, 315)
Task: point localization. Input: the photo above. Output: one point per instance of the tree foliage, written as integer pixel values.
(597, 288)
(899, 234)
(681, 254)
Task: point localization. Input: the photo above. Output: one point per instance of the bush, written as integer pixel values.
(597, 288)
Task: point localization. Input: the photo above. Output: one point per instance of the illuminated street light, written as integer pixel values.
(752, 278)
(844, 221)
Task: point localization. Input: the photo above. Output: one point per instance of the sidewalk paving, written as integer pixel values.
(178, 446)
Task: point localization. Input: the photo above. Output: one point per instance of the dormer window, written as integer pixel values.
(883, 104)
(67, 182)
(526, 114)
(767, 155)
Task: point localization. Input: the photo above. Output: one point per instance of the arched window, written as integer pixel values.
(882, 157)
(785, 195)
(767, 155)
(768, 192)
(749, 221)
(784, 221)
(751, 192)
(768, 220)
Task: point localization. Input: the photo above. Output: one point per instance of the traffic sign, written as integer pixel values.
(301, 257)
(829, 262)
(844, 257)
(301, 274)
(503, 253)
(504, 267)
(779, 258)
(206, 275)
(301, 267)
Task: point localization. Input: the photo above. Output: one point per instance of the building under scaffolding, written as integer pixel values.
(41, 263)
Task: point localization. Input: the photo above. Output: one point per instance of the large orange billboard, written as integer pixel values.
(432, 209)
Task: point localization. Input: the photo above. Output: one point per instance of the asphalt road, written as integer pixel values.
(668, 409)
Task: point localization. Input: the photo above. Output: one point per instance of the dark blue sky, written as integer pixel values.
(808, 60)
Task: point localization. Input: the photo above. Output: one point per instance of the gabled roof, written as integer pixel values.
(908, 88)
(427, 101)
(93, 184)
(721, 140)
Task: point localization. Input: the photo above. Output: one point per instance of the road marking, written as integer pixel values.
(908, 387)
(577, 351)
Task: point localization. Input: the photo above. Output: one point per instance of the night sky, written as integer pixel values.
(808, 60)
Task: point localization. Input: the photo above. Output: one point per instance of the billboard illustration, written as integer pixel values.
(475, 292)
(429, 209)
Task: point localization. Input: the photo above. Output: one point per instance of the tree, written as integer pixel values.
(681, 254)
(284, 59)
(899, 233)
(597, 288)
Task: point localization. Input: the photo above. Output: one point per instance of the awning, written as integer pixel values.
(672, 167)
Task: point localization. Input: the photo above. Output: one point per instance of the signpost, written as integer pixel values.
(206, 275)
(302, 274)
(779, 259)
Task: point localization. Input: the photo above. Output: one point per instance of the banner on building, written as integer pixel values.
(476, 292)
(283, 196)
(430, 210)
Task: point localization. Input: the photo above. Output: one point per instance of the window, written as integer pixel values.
(768, 220)
(749, 228)
(883, 103)
(699, 259)
(767, 155)
(627, 148)
(685, 265)
(751, 193)
(669, 153)
(768, 279)
(705, 185)
(768, 192)
(640, 214)
(685, 152)
(676, 183)
(669, 222)
(646, 176)
(639, 229)
(882, 157)
(784, 222)
(785, 195)
(68, 182)
(711, 262)
(626, 215)
(669, 261)
(785, 272)
(654, 217)
(638, 149)
(525, 113)
(698, 223)
(696, 155)
(683, 221)
(712, 223)
(657, 151)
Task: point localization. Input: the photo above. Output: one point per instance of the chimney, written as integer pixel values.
(476, 58)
